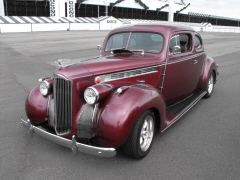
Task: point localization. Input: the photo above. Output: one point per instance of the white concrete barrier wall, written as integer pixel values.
(197, 28)
(107, 24)
(50, 26)
(84, 26)
(226, 30)
(8, 28)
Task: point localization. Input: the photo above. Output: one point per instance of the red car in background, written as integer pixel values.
(146, 77)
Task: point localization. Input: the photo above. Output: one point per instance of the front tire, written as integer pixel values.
(140, 140)
(210, 88)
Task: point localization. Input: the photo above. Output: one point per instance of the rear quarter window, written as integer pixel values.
(198, 43)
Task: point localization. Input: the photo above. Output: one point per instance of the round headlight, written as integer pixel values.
(44, 88)
(91, 95)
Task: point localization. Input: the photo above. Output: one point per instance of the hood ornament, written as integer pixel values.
(62, 62)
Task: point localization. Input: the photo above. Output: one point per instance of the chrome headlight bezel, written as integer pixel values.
(44, 88)
(91, 95)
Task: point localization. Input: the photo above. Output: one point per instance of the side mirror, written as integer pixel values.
(99, 47)
(176, 50)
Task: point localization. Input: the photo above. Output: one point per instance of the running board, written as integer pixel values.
(176, 111)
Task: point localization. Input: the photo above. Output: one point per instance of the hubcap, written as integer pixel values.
(146, 135)
(210, 84)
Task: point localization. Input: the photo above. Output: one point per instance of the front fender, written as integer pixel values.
(209, 66)
(121, 111)
(36, 106)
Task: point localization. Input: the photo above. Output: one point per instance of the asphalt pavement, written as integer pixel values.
(203, 145)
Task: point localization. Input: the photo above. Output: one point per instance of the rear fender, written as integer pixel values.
(121, 110)
(209, 66)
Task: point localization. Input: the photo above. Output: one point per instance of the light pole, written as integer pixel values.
(171, 11)
(106, 9)
(2, 13)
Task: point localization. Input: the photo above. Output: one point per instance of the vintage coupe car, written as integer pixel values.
(146, 77)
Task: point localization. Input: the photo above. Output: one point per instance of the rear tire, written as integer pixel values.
(211, 81)
(140, 140)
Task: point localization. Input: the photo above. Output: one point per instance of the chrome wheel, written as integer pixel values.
(210, 84)
(140, 140)
(146, 135)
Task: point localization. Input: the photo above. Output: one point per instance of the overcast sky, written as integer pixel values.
(225, 8)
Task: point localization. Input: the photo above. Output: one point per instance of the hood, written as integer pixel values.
(73, 71)
(108, 64)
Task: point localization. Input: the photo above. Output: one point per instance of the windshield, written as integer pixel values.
(146, 41)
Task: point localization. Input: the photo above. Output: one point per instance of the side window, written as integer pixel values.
(180, 43)
(174, 42)
(185, 42)
(198, 43)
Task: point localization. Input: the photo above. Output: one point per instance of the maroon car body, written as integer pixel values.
(134, 91)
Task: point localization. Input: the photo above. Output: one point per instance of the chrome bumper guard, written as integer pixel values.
(72, 144)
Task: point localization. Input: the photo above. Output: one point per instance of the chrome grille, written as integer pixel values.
(62, 104)
(85, 123)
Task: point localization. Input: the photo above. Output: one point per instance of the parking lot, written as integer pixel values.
(203, 145)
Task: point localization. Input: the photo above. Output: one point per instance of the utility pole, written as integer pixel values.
(171, 11)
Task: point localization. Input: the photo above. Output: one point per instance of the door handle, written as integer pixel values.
(195, 61)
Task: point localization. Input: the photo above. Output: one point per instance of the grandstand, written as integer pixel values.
(121, 9)
(58, 15)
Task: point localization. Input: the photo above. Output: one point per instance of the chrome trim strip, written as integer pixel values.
(186, 110)
(185, 59)
(163, 76)
(71, 144)
(94, 113)
(129, 74)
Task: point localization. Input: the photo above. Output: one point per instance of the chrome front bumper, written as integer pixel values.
(72, 144)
